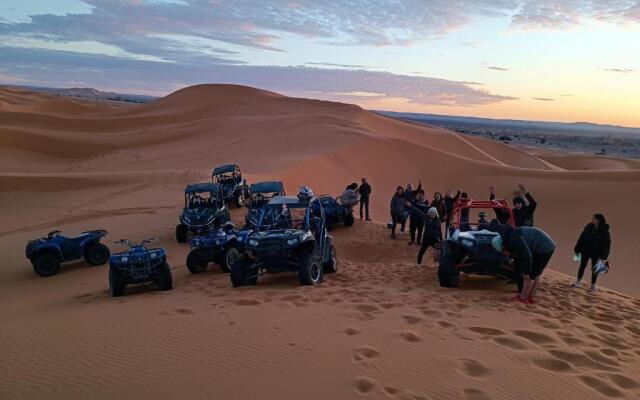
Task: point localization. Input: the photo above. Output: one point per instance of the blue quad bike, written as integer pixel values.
(259, 196)
(334, 212)
(222, 246)
(233, 188)
(204, 210)
(47, 253)
(296, 242)
(138, 264)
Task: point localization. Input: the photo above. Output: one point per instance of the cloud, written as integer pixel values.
(543, 99)
(336, 65)
(156, 78)
(497, 68)
(470, 44)
(618, 70)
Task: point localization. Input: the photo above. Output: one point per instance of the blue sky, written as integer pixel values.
(571, 60)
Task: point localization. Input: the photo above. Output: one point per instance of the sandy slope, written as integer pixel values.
(379, 328)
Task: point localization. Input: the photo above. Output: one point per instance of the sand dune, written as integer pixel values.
(380, 328)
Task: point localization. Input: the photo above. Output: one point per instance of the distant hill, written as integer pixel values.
(92, 94)
(575, 128)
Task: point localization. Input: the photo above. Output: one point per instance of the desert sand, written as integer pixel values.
(379, 329)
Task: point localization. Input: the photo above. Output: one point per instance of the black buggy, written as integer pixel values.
(204, 210)
(293, 240)
(260, 194)
(233, 188)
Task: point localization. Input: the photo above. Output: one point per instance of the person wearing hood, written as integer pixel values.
(432, 234)
(594, 243)
(531, 249)
(439, 204)
(523, 212)
(350, 197)
(398, 206)
(417, 211)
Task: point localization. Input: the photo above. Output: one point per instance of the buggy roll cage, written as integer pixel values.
(219, 174)
(212, 188)
(503, 212)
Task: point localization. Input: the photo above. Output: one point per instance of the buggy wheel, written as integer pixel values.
(229, 257)
(46, 264)
(238, 199)
(181, 233)
(164, 279)
(243, 273)
(195, 264)
(309, 271)
(116, 283)
(331, 266)
(349, 219)
(97, 254)
(448, 274)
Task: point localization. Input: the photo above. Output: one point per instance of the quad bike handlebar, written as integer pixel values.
(53, 233)
(131, 244)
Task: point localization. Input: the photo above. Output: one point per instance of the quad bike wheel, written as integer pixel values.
(448, 274)
(195, 264)
(116, 283)
(182, 233)
(97, 254)
(229, 257)
(243, 273)
(331, 266)
(164, 279)
(46, 264)
(349, 219)
(309, 271)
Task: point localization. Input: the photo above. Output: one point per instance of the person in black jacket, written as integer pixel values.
(417, 212)
(398, 205)
(410, 196)
(523, 212)
(365, 193)
(593, 244)
(432, 234)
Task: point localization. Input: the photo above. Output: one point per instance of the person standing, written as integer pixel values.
(432, 234)
(410, 196)
(531, 249)
(449, 201)
(398, 206)
(439, 204)
(594, 243)
(523, 212)
(365, 193)
(418, 210)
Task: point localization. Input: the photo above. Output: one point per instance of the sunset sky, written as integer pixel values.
(564, 60)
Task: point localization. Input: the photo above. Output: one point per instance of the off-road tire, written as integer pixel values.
(116, 283)
(238, 199)
(182, 233)
(309, 270)
(164, 279)
(349, 219)
(242, 271)
(228, 258)
(195, 264)
(448, 275)
(46, 264)
(331, 266)
(97, 254)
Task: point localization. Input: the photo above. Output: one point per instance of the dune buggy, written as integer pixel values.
(334, 212)
(467, 246)
(295, 241)
(48, 252)
(222, 246)
(259, 196)
(203, 210)
(138, 265)
(233, 188)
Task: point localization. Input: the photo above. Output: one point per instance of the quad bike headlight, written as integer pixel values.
(153, 254)
(291, 242)
(253, 242)
(124, 259)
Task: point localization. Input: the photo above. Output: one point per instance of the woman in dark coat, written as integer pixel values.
(593, 244)
(440, 205)
(432, 234)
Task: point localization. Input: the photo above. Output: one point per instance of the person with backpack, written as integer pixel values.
(417, 211)
(531, 249)
(365, 193)
(594, 244)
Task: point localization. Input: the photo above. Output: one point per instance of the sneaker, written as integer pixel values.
(418, 265)
(523, 301)
(368, 219)
(531, 300)
(577, 284)
(393, 236)
(361, 218)
(593, 289)
(410, 243)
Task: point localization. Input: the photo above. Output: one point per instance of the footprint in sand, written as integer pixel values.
(601, 386)
(624, 381)
(445, 324)
(473, 368)
(411, 319)
(511, 343)
(247, 302)
(605, 327)
(486, 331)
(367, 351)
(410, 337)
(352, 330)
(365, 385)
(475, 394)
(184, 311)
(366, 308)
(535, 337)
(552, 364)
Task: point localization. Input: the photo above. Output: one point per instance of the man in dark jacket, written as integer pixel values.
(531, 249)
(398, 206)
(449, 201)
(523, 212)
(417, 212)
(593, 244)
(365, 192)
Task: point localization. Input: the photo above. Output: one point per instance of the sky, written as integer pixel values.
(552, 60)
